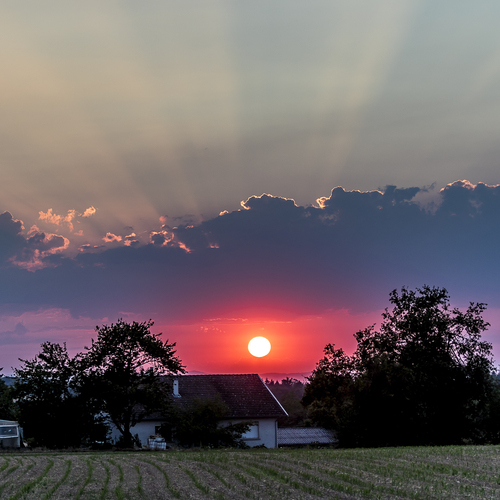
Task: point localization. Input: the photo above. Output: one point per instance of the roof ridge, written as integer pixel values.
(275, 398)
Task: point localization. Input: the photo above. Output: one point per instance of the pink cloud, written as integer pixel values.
(87, 247)
(160, 237)
(131, 240)
(110, 238)
(58, 220)
(184, 247)
(39, 245)
(50, 217)
(89, 212)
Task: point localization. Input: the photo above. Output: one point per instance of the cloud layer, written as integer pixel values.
(270, 259)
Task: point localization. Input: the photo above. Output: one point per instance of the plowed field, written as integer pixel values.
(415, 473)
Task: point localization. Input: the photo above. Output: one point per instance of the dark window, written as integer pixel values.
(8, 431)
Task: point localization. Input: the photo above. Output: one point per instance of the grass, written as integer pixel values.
(58, 484)
(104, 488)
(26, 487)
(203, 488)
(454, 472)
(139, 480)
(162, 471)
(81, 489)
(118, 488)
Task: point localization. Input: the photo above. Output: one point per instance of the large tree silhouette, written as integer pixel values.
(424, 378)
(49, 402)
(123, 368)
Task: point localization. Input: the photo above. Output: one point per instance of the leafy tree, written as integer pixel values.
(200, 425)
(424, 378)
(50, 408)
(123, 368)
(7, 405)
(329, 395)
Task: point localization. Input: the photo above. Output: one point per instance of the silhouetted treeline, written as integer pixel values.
(66, 402)
(289, 393)
(425, 378)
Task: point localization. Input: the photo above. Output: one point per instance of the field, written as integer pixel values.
(413, 473)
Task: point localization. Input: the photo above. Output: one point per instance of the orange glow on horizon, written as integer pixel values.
(221, 345)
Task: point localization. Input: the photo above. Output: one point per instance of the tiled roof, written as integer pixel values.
(306, 435)
(246, 396)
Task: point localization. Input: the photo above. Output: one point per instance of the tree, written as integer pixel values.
(329, 395)
(199, 425)
(123, 368)
(424, 378)
(7, 405)
(51, 409)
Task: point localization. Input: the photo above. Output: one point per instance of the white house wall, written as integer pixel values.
(142, 429)
(267, 431)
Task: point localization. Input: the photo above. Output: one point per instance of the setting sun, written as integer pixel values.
(259, 347)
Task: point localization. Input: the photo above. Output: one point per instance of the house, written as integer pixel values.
(10, 434)
(246, 396)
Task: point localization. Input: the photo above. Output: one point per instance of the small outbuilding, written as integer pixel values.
(305, 436)
(10, 434)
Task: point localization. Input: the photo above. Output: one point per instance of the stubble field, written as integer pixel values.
(414, 473)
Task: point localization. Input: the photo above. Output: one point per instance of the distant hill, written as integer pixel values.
(278, 377)
(275, 376)
(9, 380)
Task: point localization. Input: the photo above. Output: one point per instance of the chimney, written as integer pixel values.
(176, 389)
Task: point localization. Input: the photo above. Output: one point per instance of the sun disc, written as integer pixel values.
(259, 347)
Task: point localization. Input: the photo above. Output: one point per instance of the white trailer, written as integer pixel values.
(10, 434)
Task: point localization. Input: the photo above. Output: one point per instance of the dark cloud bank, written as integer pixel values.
(275, 259)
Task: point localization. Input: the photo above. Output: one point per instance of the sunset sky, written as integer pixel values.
(233, 169)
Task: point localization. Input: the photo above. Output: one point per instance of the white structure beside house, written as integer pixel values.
(305, 436)
(10, 434)
(246, 396)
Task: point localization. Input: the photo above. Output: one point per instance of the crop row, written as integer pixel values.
(412, 473)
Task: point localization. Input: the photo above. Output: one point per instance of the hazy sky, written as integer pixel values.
(123, 124)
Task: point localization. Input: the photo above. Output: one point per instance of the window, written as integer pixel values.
(253, 432)
(8, 431)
